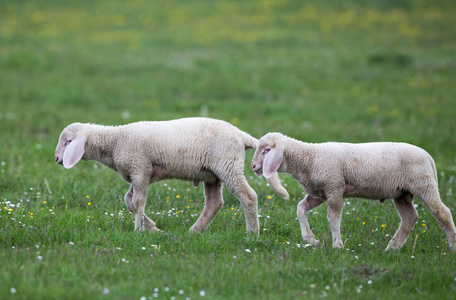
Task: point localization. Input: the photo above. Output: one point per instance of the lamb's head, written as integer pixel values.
(268, 155)
(71, 145)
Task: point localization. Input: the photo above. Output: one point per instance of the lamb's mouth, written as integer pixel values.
(259, 172)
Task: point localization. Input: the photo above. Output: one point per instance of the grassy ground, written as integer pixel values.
(317, 71)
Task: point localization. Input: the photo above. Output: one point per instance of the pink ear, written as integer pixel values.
(74, 152)
(272, 162)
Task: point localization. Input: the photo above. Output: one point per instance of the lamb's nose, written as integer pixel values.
(253, 166)
(56, 158)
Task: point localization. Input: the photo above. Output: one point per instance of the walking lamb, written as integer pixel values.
(194, 149)
(333, 171)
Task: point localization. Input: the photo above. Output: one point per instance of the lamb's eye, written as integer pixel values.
(67, 142)
(267, 149)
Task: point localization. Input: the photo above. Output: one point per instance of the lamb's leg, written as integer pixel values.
(136, 201)
(128, 199)
(213, 203)
(442, 213)
(248, 198)
(409, 216)
(334, 216)
(307, 204)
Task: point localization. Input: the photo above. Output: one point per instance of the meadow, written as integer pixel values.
(352, 71)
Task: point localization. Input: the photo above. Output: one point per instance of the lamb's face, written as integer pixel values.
(265, 145)
(66, 137)
(258, 158)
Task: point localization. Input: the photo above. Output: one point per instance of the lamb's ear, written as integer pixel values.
(74, 152)
(272, 162)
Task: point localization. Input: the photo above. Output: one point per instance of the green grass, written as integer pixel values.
(319, 71)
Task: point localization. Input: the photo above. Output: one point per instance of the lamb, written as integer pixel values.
(194, 149)
(378, 171)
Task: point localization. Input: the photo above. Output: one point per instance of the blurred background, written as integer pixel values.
(354, 71)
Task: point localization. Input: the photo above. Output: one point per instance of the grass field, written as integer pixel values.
(353, 71)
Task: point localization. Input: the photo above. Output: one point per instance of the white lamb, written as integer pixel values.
(195, 149)
(332, 171)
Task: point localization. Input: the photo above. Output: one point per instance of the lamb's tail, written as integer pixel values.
(249, 141)
(435, 169)
(274, 181)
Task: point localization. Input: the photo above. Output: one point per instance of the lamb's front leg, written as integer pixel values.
(307, 204)
(136, 197)
(334, 216)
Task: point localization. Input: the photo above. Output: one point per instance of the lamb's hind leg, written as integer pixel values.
(442, 213)
(213, 203)
(409, 216)
(248, 198)
(307, 204)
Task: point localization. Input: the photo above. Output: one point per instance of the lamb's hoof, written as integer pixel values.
(452, 245)
(391, 249)
(154, 229)
(338, 245)
(313, 242)
(194, 230)
(392, 245)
